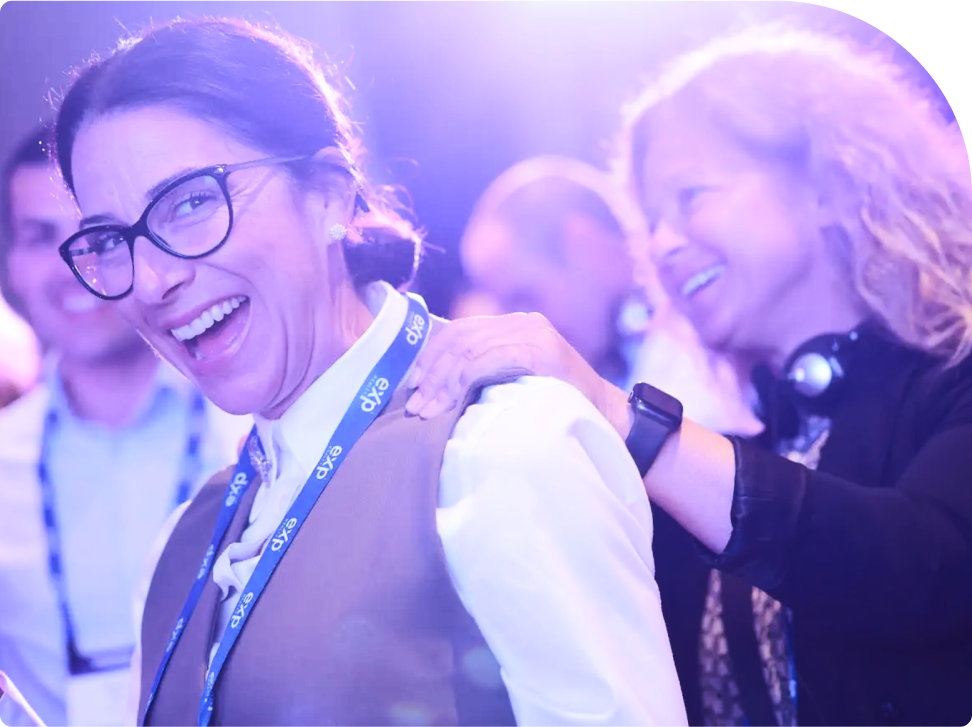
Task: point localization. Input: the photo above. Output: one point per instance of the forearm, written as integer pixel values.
(897, 571)
(693, 477)
(893, 563)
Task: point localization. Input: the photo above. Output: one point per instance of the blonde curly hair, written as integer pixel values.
(868, 138)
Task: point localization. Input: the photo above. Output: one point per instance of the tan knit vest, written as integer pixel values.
(359, 624)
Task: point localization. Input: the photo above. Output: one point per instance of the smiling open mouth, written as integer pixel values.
(701, 279)
(202, 336)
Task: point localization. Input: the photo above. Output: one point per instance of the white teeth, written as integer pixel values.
(700, 280)
(207, 319)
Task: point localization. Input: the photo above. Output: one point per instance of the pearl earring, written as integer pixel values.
(338, 232)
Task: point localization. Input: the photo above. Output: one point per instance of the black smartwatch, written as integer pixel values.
(656, 417)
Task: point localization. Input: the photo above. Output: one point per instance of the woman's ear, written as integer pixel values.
(329, 206)
(337, 171)
(328, 214)
(335, 157)
(826, 211)
(837, 227)
(833, 190)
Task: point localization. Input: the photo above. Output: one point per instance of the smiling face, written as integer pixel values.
(737, 241)
(252, 321)
(62, 313)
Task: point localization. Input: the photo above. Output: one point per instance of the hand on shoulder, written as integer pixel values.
(472, 348)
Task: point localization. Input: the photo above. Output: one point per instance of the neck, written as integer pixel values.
(780, 355)
(112, 390)
(348, 321)
(822, 303)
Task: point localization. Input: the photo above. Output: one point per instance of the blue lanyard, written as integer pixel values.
(367, 405)
(189, 470)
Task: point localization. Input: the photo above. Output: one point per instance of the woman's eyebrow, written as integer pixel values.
(156, 189)
(98, 220)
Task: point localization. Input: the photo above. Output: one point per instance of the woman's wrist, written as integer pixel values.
(612, 402)
(693, 480)
(609, 400)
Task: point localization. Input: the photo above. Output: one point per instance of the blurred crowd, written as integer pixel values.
(805, 195)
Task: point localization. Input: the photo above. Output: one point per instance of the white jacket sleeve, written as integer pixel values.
(547, 532)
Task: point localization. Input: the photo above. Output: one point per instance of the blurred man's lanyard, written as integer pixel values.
(366, 406)
(98, 682)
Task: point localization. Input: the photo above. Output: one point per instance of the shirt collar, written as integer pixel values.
(305, 428)
(167, 381)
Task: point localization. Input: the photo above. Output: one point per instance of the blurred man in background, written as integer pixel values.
(19, 354)
(544, 237)
(92, 461)
(555, 236)
(473, 302)
(19, 357)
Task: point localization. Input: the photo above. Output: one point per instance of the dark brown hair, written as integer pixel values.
(262, 87)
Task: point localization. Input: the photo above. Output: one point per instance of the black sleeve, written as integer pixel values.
(892, 564)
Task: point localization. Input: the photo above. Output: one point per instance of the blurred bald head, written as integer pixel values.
(551, 235)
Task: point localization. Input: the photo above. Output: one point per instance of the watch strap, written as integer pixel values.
(645, 440)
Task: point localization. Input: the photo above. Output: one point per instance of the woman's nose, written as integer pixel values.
(665, 242)
(157, 275)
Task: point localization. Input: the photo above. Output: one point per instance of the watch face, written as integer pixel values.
(657, 404)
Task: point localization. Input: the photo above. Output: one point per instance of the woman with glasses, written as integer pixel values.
(811, 215)
(357, 566)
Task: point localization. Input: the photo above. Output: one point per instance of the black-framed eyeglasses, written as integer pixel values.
(189, 218)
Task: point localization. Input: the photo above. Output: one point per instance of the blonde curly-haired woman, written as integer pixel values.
(810, 213)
